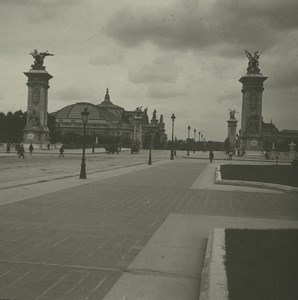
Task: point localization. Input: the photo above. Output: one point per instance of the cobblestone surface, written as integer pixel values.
(75, 243)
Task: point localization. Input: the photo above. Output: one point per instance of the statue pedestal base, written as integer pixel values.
(36, 131)
(251, 143)
(36, 136)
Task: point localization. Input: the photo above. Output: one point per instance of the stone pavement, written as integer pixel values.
(74, 239)
(170, 264)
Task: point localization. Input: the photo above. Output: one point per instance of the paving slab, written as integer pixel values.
(170, 265)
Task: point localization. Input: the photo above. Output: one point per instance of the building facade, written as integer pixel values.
(109, 124)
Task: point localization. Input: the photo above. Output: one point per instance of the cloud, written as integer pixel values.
(165, 91)
(281, 62)
(72, 94)
(235, 25)
(36, 3)
(108, 57)
(162, 69)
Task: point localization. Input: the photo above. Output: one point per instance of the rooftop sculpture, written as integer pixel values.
(232, 113)
(253, 62)
(39, 58)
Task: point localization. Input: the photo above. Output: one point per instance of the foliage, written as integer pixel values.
(11, 126)
(196, 145)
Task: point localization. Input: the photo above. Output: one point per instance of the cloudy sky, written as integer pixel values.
(176, 56)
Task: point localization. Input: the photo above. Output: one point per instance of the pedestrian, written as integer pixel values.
(230, 155)
(49, 146)
(8, 147)
(211, 156)
(61, 150)
(31, 149)
(175, 154)
(21, 151)
(18, 147)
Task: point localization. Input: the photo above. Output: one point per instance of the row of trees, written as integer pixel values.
(192, 145)
(12, 125)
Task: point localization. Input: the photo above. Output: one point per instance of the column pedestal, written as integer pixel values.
(251, 117)
(36, 131)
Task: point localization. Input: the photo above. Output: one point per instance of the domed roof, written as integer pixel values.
(110, 107)
(73, 111)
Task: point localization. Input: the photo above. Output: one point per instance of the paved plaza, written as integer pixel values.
(65, 238)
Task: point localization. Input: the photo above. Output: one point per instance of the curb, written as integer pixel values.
(266, 185)
(214, 284)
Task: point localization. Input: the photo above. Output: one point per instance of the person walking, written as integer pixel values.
(211, 156)
(31, 149)
(8, 147)
(21, 151)
(61, 150)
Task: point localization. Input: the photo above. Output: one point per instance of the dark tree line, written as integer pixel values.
(192, 145)
(12, 125)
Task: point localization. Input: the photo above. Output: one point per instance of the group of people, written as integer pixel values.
(19, 148)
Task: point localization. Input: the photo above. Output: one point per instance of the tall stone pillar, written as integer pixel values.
(36, 130)
(232, 129)
(251, 116)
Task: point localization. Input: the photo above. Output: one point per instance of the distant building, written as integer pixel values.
(109, 124)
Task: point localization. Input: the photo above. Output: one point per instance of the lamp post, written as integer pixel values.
(172, 145)
(93, 138)
(85, 115)
(202, 141)
(188, 128)
(194, 139)
(150, 146)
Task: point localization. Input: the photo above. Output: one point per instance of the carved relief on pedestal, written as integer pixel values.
(35, 95)
(33, 119)
(253, 124)
(232, 130)
(253, 100)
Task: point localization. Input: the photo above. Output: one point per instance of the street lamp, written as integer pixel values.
(194, 139)
(150, 146)
(93, 138)
(188, 140)
(85, 115)
(172, 145)
(202, 141)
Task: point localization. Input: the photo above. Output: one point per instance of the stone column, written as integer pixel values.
(36, 130)
(251, 116)
(232, 129)
(292, 153)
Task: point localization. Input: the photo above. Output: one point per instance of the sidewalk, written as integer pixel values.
(78, 236)
(169, 266)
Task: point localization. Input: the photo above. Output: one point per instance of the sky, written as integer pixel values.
(176, 56)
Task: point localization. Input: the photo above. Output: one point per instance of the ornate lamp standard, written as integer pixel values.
(93, 138)
(188, 128)
(199, 140)
(202, 141)
(194, 139)
(150, 146)
(172, 145)
(85, 115)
